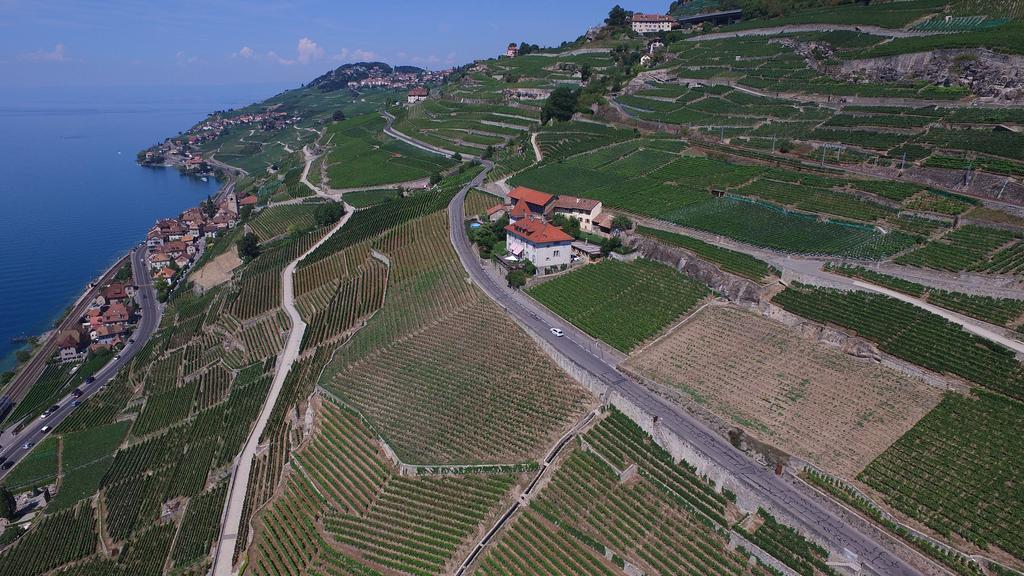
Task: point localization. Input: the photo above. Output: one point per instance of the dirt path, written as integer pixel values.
(971, 325)
(242, 469)
(536, 147)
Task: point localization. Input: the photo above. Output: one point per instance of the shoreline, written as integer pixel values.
(9, 363)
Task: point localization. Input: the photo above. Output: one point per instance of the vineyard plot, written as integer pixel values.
(786, 390)
(958, 471)
(621, 303)
(470, 388)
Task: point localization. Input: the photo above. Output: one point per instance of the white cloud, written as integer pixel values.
(309, 50)
(244, 52)
(274, 57)
(55, 55)
(182, 58)
(361, 55)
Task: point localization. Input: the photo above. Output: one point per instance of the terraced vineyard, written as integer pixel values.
(371, 519)
(279, 220)
(1002, 311)
(728, 260)
(646, 182)
(966, 248)
(909, 332)
(787, 390)
(956, 471)
(586, 521)
(622, 304)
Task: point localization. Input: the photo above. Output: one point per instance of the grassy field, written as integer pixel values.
(786, 390)
(623, 304)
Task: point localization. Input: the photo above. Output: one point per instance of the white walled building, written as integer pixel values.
(645, 23)
(583, 209)
(539, 242)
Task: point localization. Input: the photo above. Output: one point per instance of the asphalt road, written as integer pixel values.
(757, 479)
(12, 445)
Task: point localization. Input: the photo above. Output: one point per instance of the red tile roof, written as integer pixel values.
(574, 203)
(495, 209)
(653, 18)
(530, 195)
(537, 231)
(520, 210)
(419, 91)
(69, 339)
(249, 200)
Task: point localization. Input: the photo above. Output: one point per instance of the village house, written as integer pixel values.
(512, 51)
(249, 200)
(93, 319)
(535, 202)
(494, 213)
(107, 336)
(539, 242)
(418, 94)
(603, 224)
(646, 23)
(583, 209)
(159, 260)
(165, 274)
(586, 250)
(71, 346)
(116, 313)
(115, 292)
(182, 261)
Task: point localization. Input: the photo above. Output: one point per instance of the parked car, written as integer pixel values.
(557, 332)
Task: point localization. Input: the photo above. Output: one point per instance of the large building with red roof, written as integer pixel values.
(539, 242)
(536, 201)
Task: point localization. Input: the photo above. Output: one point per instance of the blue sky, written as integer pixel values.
(209, 42)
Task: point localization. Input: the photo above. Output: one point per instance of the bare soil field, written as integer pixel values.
(814, 402)
(217, 271)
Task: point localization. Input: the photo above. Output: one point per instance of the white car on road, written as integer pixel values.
(557, 332)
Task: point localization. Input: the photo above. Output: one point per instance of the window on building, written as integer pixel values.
(556, 252)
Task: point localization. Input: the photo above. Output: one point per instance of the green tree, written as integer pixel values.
(622, 222)
(248, 247)
(609, 245)
(209, 207)
(618, 17)
(529, 267)
(338, 115)
(561, 105)
(328, 213)
(457, 157)
(516, 279)
(489, 153)
(7, 506)
(585, 72)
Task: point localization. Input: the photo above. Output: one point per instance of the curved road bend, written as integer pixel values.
(821, 522)
(231, 518)
(150, 311)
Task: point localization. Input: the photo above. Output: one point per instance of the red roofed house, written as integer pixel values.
(418, 94)
(159, 260)
(644, 23)
(519, 211)
(106, 336)
(539, 242)
(249, 200)
(512, 51)
(116, 313)
(71, 346)
(583, 209)
(494, 213)
(167, 274)
(537, 201)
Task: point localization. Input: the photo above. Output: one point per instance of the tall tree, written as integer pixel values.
(7, 505)
(561, 105)
(618, 17)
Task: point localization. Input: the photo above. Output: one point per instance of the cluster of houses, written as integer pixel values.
(530, 235)
(399, 80)
(180, 151)
(173, 244)
(107, 322)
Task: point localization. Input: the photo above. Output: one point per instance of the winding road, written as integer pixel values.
(150, 310)
(822, 523)
(231, 517)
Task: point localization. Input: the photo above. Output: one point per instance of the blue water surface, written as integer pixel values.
(72, 198)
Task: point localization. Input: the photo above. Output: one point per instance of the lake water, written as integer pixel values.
(72, 198)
